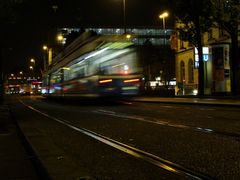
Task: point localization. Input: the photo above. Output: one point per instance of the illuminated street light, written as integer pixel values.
(60, 37)
(21, 72)
(163, 16)
(45, 56)
(32, 60)
(45, 47)
(32, 64)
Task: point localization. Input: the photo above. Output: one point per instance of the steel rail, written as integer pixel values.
(137, 153)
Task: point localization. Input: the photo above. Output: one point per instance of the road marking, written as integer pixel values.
(167, 123)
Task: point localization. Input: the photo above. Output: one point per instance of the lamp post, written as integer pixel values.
(163, 16)
(45, 57)
(124, 16)
(49, 53)
(164, 70)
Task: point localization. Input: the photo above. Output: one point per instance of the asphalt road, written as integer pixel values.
(203, 140)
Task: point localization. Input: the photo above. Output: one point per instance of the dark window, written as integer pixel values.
(182, 71)
(190, 71)
(182, 44)
(210, 34)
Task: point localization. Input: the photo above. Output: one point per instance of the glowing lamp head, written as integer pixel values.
(163, 15)
(60, 37)
(45, 47)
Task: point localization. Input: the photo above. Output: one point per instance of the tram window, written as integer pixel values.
(56, 78)
(75, 72)
(81, 72)
(103, 71)
(67, 75)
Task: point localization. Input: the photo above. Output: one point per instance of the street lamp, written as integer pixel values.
(163, 16)
(47, 58)
(32, 64)
(32, 61)
(45, 47)
(61, 39)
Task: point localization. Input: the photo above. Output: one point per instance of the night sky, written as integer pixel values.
(36, 19)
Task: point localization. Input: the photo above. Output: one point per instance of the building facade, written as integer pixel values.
(216, 48)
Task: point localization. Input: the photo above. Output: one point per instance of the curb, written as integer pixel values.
(221, 104)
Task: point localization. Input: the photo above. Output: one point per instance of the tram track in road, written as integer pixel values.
(201, 129)
(169, 124)
(132, 151)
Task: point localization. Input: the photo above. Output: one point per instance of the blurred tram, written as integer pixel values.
(110, 70)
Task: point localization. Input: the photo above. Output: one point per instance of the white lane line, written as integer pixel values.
(165, 123)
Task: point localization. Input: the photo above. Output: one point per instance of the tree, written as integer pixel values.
(194, 17)
(226, 13)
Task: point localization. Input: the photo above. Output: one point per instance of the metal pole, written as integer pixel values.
(124, 16)
(164, 23)
(164, 30)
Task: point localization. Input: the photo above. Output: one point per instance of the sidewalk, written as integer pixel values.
(216, 101)
(15, 162)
